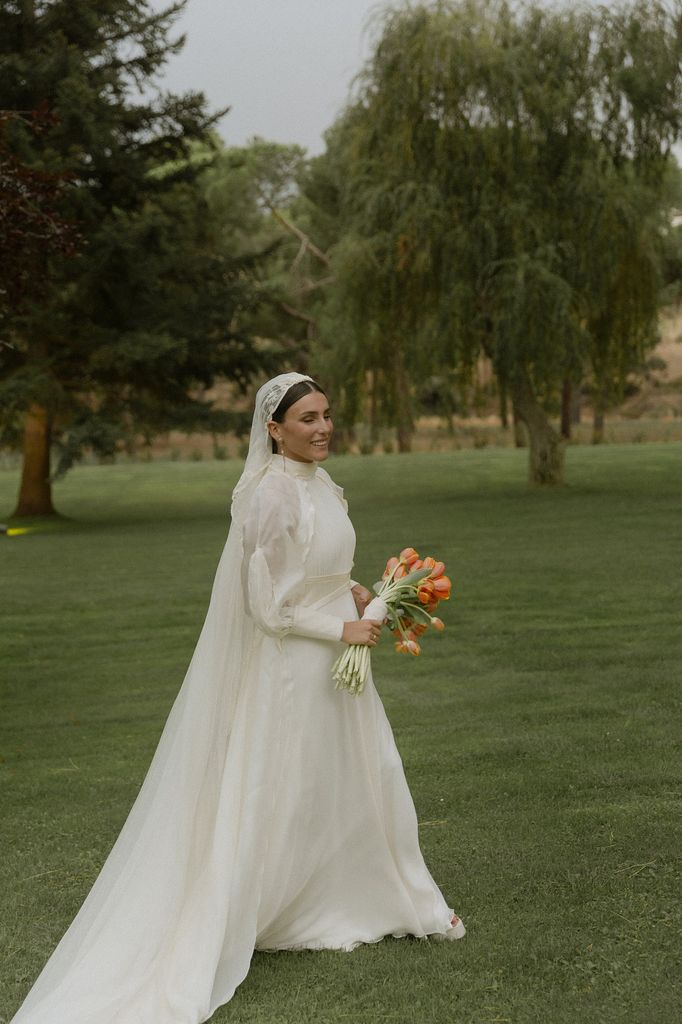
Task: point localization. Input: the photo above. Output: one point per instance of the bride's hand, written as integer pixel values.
(364, 631)
(362, 596)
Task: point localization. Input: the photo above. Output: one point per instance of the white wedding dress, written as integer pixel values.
(281, 819)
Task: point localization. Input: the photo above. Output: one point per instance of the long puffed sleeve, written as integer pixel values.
(273, 565)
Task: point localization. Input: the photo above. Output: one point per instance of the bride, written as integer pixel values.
(275, 813)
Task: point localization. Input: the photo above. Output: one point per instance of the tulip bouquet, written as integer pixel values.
(407, 595)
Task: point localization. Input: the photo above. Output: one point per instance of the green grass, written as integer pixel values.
(540, 733)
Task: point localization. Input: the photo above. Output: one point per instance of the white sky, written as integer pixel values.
(284, 66)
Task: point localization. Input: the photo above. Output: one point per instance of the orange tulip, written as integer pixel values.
(438, 624)
(390, 566)
(409, 556)
(413, 647)
(420, 628)
(400, 572)
(442, 588)
(425, 592)
(437, 568)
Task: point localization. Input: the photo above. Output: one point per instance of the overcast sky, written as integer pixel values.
(283, 66)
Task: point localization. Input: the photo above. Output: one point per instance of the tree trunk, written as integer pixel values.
(520, 432)
(575, 404)
(504, 406)
(566, 406)
(546, 455)
(404, 435)
(598, 426)
(373, 409)
(35, 492)
(404, 424)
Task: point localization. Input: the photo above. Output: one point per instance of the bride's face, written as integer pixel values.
(305, 430)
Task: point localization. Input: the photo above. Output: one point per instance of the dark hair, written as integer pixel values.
(296, 391)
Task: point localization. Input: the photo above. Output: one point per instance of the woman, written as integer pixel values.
(275, 813)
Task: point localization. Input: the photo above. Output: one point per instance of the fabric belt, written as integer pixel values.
(320, 590)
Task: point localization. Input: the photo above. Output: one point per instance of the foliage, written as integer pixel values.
(499, 182)
(252, 191)
(127, 336)
(31, 228)
(672, 239)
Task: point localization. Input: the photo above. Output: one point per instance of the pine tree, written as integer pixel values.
(126, 335)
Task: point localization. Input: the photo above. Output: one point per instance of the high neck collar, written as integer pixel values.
(304, 470)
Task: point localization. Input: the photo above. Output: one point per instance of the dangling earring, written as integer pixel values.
(283, 454)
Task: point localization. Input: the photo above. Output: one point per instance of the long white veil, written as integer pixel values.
(156, 905)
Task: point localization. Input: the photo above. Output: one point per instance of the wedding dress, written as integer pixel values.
(275, 814)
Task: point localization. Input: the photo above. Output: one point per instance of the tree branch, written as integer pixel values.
(301, 235)
(311, 286)
(298, 314)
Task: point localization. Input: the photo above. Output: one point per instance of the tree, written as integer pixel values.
(499, 181)
(253, 190)
(31, 228)
(126, 336)
(32, 233)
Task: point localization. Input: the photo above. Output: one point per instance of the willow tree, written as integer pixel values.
(498, 181)
(378, 228)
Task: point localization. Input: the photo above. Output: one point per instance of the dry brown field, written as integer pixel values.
(654, 413)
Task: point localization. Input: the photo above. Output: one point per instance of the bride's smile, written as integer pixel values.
(305, 432)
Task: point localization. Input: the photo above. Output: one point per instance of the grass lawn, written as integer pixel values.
(540, 733)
